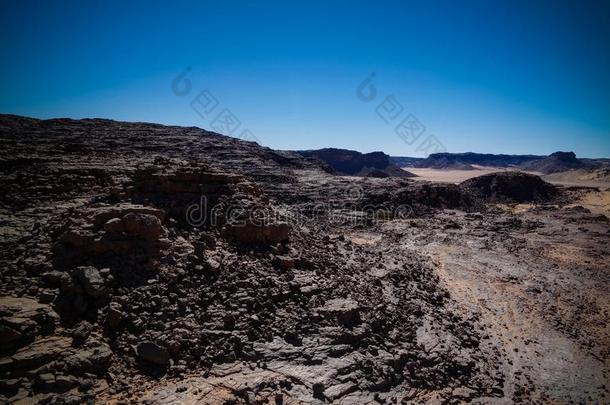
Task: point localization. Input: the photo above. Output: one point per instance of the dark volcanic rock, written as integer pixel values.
(153, 353)
(510, 187)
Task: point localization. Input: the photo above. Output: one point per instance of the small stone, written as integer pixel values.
(229, 322)
(250, 398)
(114, 315)
(199, 249)
(65, 382)
(52, 277)
(153, 353)
(213, 265)
(46, 378)
(283, 262)
(114, 225)
(82, 332)
(91, 280)
(46, 296)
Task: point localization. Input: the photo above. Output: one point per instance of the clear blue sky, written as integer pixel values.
(486, 76)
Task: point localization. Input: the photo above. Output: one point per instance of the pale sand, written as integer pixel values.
(596, 202)
(575, 178)
(451, 176)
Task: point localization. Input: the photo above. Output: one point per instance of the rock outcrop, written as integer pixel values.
(510, 186)
(22, 319)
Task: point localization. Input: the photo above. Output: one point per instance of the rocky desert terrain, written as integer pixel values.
(142, 263)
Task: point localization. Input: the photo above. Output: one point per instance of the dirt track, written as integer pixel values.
(542, 295)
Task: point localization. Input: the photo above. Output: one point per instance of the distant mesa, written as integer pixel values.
(557, 162)
(353, 163)
(466, 161)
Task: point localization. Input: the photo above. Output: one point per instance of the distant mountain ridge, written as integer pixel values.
(353, 163)
(464, 161)
(554, 163)
(405, 161)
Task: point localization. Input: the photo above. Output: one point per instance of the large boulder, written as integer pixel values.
(143, 226)
(99, 215)
(92, 357)
(119, 229)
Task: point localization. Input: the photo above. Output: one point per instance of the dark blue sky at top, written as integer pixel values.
(483, 76)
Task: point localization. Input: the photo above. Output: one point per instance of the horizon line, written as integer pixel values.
(291, 150)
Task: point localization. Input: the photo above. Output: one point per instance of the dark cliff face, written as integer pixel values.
(349, 162)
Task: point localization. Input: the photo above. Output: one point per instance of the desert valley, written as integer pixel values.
(161, 264)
